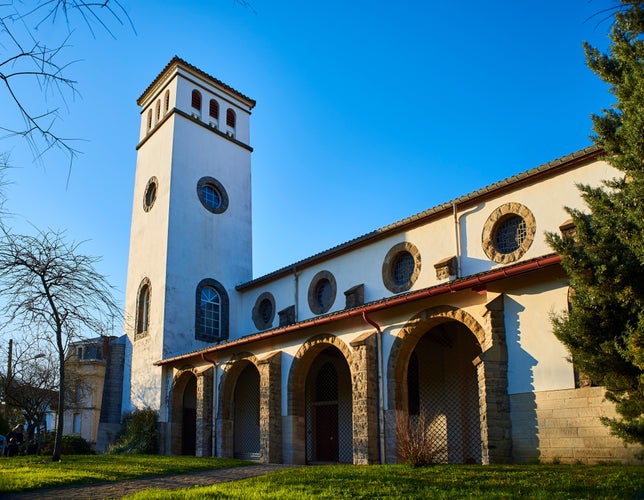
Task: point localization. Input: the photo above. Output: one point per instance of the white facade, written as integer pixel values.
(459, 294)
(176, 243)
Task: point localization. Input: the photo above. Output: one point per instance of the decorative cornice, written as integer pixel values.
(176, 63)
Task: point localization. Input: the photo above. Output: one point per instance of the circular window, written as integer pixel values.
(150, 194)
(212, 195)
(264, 311)
(508, 233)
(401, 267)
(322, 291)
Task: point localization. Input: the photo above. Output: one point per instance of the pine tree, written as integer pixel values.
(604, 328)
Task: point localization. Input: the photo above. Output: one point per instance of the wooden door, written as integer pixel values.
(326, 432)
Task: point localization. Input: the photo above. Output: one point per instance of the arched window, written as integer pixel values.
(214, 109)
(196, 100)
(166, 101)
(149, 119)
(231, 119)
(158, 110)
(210, 312)
(143, 309)
(211, 322)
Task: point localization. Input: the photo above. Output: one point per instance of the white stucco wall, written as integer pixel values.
(178, 243)
(435, 240)
(537, 361)
(546, 200)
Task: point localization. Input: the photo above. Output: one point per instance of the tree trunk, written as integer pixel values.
(58, 442)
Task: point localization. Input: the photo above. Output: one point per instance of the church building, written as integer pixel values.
(440, 319)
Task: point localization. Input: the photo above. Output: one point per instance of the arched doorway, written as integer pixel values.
(246, 429)
(442, 392)
(328, 409)
(189, 417)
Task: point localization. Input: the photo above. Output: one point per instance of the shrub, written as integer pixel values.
(71, 445)
(415, 444)
(139, 433)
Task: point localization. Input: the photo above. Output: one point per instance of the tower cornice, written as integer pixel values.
(177, 65)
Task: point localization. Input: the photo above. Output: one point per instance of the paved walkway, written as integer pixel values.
(119, 489)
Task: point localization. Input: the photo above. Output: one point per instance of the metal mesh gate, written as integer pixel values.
(443, 397)
(329, 422)
(246, 415)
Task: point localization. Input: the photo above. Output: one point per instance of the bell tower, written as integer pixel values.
(190, 239)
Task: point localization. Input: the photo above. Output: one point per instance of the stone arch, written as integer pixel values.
(231, 370)
(180, 382)
(297, 380)
(226, 404)
(409, 336)
(302, 362)
(491, 374)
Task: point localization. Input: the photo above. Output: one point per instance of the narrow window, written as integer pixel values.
(214, 109)
(143, 309)
(211, 318)
(210, 312)
(76, 423)
(149, 120)
(196, 100)
(158, 110)
(231, 119)
(166, 105)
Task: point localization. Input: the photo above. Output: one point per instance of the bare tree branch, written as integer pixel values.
(32, 61)
(54, 292)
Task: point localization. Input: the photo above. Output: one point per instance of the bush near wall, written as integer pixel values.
(71, 445)
(139, 434)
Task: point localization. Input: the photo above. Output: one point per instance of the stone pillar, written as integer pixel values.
(494, 402)
(270, 408)
(203, 446)
(224, 440)
(294, 444)
(364, 381)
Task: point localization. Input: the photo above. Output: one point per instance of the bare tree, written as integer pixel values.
(33, 65)
(30, 384)
(52, 290)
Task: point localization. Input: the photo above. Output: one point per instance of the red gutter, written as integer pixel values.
(452, 287)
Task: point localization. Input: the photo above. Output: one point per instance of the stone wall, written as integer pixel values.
(110, 419)
(564, 426)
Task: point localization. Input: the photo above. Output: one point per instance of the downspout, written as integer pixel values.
(381, 388)
(457, 240)
(214, 403)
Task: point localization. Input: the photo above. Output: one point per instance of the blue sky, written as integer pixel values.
(367, 111)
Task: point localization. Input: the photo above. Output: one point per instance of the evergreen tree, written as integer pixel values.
(604, 328)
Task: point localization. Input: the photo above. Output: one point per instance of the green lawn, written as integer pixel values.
(36, 472)
(437, 482)
(340, 481)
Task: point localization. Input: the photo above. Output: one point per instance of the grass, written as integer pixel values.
(436, 482)
(38, 472)
(339, 481)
